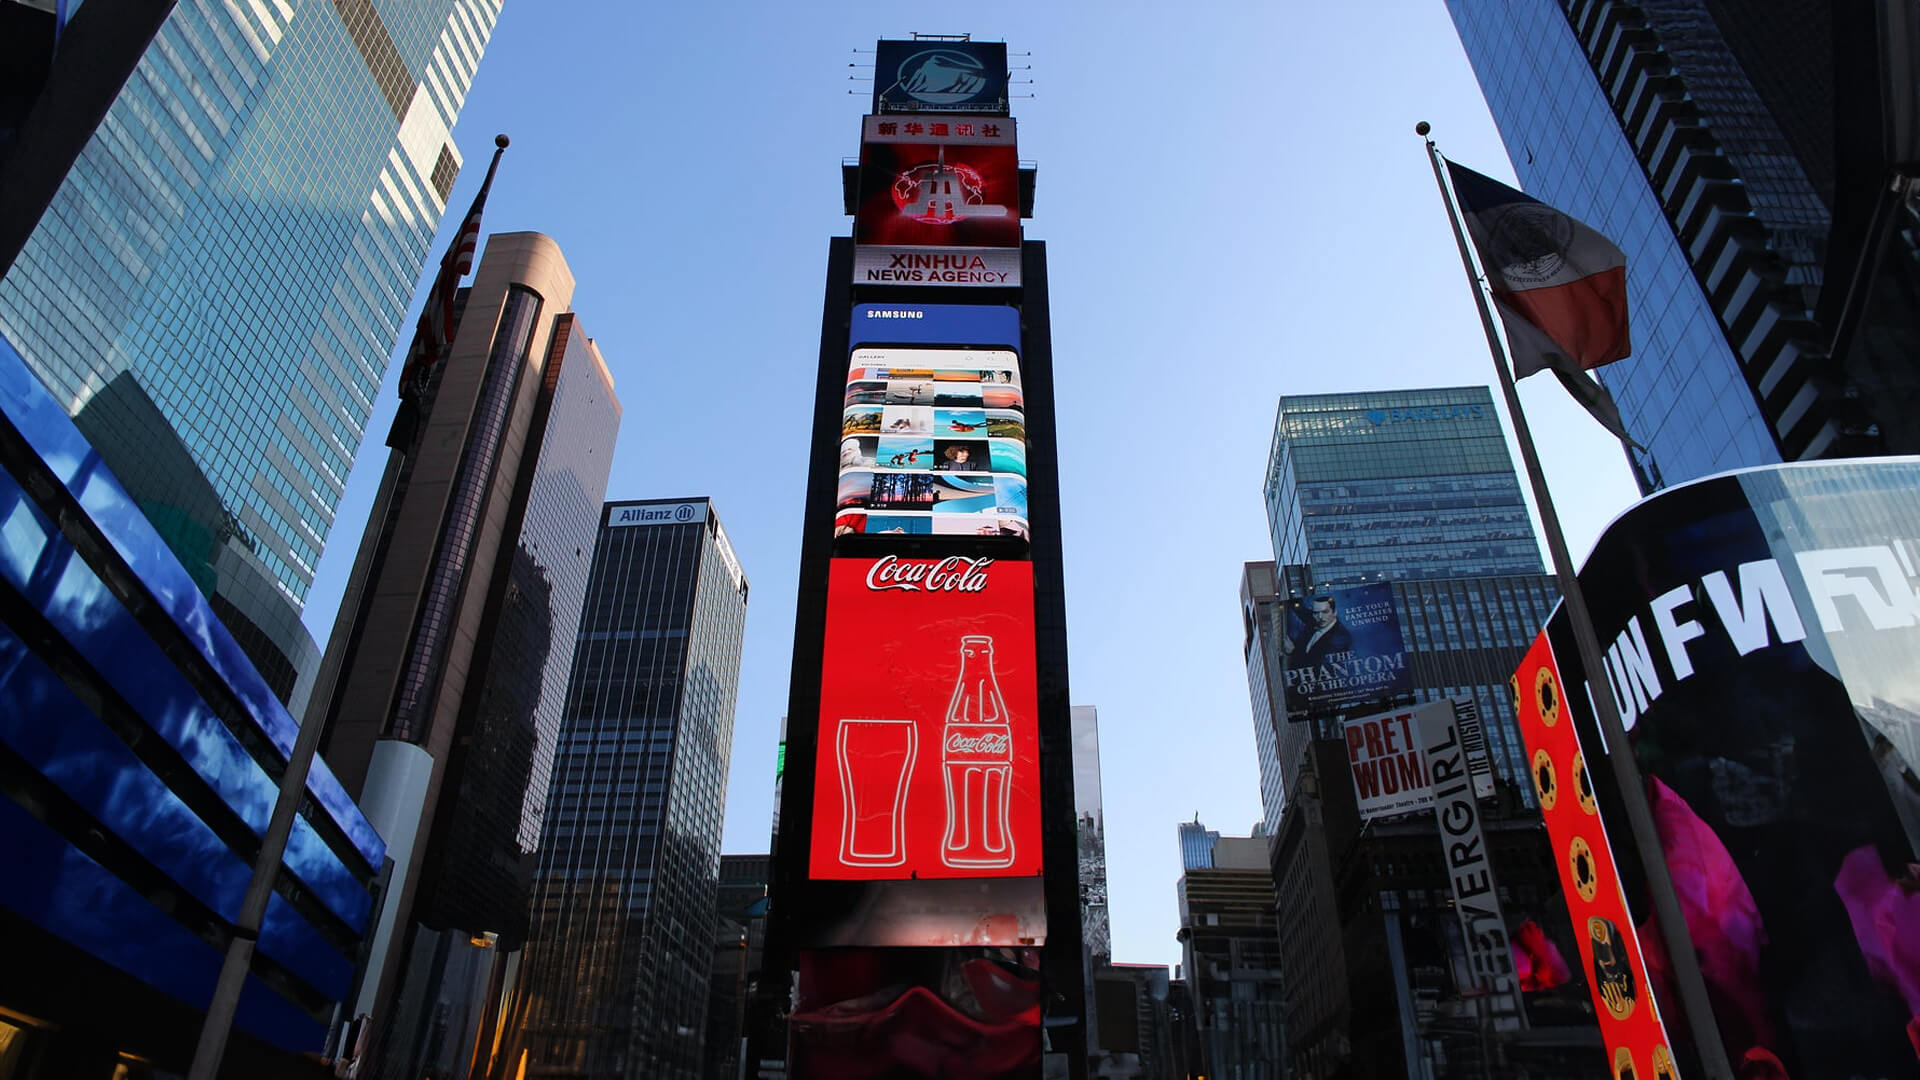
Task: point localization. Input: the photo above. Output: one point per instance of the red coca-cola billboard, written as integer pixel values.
(929, 761)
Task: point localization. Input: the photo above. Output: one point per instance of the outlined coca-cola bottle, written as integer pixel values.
(976, 753)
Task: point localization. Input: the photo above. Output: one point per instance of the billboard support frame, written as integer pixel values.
(1689, 982)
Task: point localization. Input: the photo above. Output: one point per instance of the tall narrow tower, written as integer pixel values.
(925, 875)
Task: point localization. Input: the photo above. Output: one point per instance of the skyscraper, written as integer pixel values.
(216, 286)
(1196, 844)
(1231, 958)
(1750, 161)
(443, 683)
(1395, 485)
(1261, 624)
(620, 954)
(1408, 499)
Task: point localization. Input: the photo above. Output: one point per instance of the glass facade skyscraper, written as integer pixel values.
(215, 289)
(1414, 489)
(1392, 485)
(620, 953)
(1568, 149)
(1748, 159)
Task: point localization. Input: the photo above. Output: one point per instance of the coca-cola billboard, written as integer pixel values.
(928, 750)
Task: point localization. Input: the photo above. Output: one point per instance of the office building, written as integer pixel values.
(1395, 485)
(1137, 1040)
(620, 955)
(140, 761)
(444, 679)
(1751, 160)
(1094, 929)
(1196, 844)
(1261, 625)
(214, 289)
(1410, 495)
(887, 913)
(739, 939)
(1096, 934)
(1231, 960)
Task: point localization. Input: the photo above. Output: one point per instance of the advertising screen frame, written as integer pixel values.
(1758, 630)
(1358, 659)
(948, 84)
(929, 699)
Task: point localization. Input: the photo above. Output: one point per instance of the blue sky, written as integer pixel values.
(1235, 207)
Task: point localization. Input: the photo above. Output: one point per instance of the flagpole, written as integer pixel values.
(217, 1027)
(1668, 917)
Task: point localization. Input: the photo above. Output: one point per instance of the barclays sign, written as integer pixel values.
(1426, 412)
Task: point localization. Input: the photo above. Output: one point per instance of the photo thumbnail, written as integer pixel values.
(953, 423)
(1000, 396)
(961, 455)
(906, 452)
(963, 494)
(958, 394)
(866, 393)
(906, 420)
(901, 491)
(857, 453)
(1007, 455)
(900, 391)
(861, 420)
(1006, 424)
(855, 489)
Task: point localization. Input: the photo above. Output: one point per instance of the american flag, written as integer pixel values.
(435, 330)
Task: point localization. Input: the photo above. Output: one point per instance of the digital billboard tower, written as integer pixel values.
(925, 889)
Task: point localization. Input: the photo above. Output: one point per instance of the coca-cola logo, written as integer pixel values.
(991, 742)
(955, 573)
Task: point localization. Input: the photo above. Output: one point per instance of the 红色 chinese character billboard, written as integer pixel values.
(1759, 631)
(1342, 647)
(928, 745)
(940, 76)
(939, 203)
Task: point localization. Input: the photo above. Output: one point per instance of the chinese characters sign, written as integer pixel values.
(939, 202)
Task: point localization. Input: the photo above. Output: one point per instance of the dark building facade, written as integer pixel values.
(625, 898)
(1415, 491)
(444, 679)
(1232, 961)
(1755, 163)
(739, 940)
(140, 761)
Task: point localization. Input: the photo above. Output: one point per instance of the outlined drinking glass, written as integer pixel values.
(876, 763)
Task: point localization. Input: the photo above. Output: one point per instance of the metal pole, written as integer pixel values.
(1666, 903)
(246, 930)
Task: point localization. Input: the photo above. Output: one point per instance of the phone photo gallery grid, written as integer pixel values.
(933, 441)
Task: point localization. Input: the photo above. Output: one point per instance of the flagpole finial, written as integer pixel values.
(1422, 129)
(500, 141)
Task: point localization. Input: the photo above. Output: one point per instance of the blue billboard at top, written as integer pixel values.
(941, 76)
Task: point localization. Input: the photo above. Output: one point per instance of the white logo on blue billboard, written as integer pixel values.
(1427, 412)
(942, 76)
